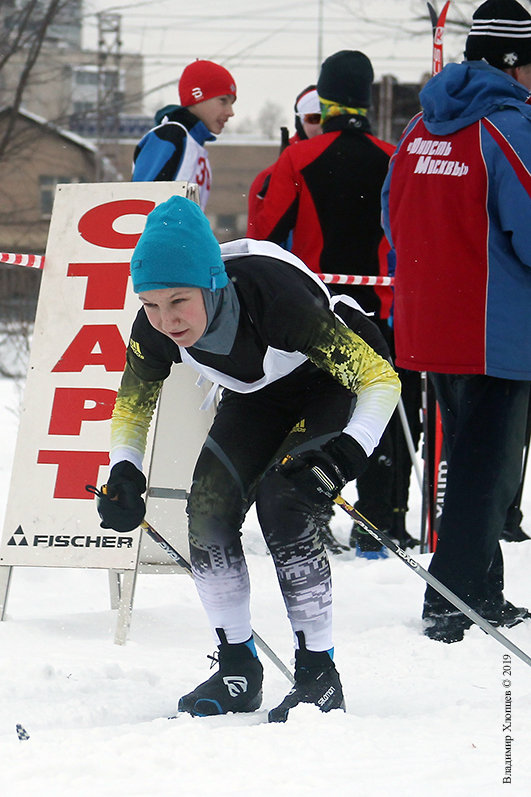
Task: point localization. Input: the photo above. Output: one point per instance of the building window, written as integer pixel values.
(47, 184)
(84, 107)
(91, 86)
(85, 77)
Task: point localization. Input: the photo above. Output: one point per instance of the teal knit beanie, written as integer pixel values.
(177, 249)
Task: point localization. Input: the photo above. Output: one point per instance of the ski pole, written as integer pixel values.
(518, 498)
(383, 539)
(426, 514)
(409, 441)
(185, 564)
(181, 560)
(408, 437)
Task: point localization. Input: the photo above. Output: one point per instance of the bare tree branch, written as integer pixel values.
(31, 12)
(12, 42)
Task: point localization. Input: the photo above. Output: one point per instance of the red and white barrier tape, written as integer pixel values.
(37, 261)
(354, 279)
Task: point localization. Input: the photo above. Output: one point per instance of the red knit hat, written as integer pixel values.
(202, 80)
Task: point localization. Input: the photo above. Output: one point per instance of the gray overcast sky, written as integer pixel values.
(271, 47)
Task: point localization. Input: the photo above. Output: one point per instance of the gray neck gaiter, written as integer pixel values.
(223, 314)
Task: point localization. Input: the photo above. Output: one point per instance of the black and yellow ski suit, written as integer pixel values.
(301, 370)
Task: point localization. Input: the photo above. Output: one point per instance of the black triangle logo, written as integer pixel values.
(18, 538)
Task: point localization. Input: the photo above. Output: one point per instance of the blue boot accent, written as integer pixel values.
(206, 708)
(380, 554)
(252, 647)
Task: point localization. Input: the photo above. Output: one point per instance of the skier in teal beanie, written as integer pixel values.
(253, 319)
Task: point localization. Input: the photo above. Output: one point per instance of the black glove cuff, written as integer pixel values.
(349, 456)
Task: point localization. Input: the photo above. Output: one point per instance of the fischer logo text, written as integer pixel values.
(81, 541)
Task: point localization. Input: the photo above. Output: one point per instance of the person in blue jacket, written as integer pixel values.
(457, 211)
(175, 148)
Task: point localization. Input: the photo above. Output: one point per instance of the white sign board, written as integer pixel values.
(180, 431)
(84, 316)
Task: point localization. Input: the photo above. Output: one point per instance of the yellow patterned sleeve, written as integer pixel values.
(135, 404)
(348, 358)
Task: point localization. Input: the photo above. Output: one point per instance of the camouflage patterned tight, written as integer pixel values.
(249, 434)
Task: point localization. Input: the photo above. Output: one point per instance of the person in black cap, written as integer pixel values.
(327, 189)
(500, 36)
(326, 192)
(457, 210)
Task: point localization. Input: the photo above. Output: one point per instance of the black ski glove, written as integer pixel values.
(341, 460)
(120, 504)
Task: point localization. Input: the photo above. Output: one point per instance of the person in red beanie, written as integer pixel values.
(174, 149)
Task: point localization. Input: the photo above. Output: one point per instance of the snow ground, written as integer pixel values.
(422, 717)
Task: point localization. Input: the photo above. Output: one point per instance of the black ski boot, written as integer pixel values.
(316, 681)
(365, 545)
(399, 532)
(236, 687)
(515, 534)
(505, 614)
(512, 528)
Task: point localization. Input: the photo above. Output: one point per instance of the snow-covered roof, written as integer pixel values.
(40, 120)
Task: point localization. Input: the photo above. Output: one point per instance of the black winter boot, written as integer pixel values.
(512, 528)
(365, 545)
(316, 681)
(236, 687)
(505, 614)
(399, 532)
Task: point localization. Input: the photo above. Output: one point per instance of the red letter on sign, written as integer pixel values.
(81, 352)
(106, 284)
(70, 408)
(76, 469)
(96, 225)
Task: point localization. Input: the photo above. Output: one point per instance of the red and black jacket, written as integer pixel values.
(326, 192)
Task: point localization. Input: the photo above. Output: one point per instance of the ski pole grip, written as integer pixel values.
(105, 491)
(320, 474)
(90, 488)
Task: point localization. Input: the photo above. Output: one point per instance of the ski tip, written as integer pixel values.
(22, 733)
(433, 16)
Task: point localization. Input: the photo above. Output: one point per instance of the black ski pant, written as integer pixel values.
(484, 422)
(250, 434)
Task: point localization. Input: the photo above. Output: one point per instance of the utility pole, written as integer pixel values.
(320, 4)
(385, 108)
(109, 96)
